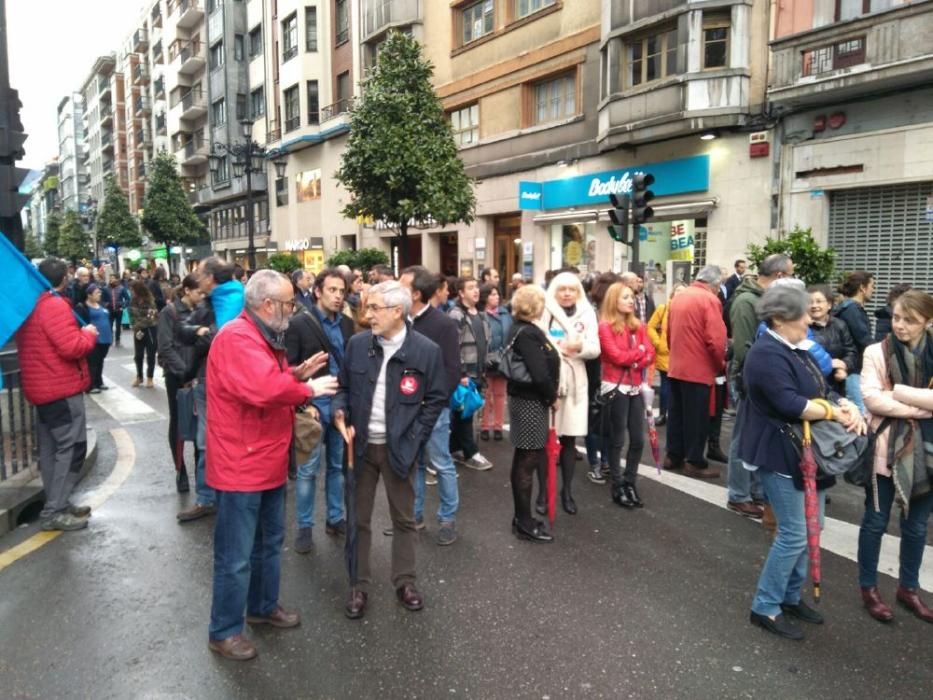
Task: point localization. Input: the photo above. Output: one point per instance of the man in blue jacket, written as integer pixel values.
(392, 390)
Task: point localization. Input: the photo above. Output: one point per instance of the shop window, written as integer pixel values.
(573, 245)
(523, 8)
(555, 99)
(465, 125)
(715, 43)
(477, 20)
(652, 57)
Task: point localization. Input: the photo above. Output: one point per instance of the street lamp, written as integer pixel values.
(248, 158)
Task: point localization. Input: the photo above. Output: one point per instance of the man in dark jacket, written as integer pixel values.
(735, 279)
(440, 328)
(392, 390)
(119, 300)
(322, 328)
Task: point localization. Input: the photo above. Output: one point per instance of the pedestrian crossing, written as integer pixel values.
(123, 406)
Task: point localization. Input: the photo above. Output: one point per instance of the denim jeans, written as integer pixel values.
(854, 391)
(306, 483)
(437, 451)
(913, 535)
(461, 435)
(205, 494)
(785, 569)
(744, 485)
(665, 394)
(248, 537)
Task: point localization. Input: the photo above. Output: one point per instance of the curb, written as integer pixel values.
(16, 496)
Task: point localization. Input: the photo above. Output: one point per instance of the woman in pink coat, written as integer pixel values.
(897, 385)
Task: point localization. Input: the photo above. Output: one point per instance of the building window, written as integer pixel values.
(342, 25)
(240, 107)
(292, 108)
(216, 58)
(716, 44)
(526, 7)
(308, 185)
(219, 112)
(314, 103)
(239, 52)
(477, 20)
(465, 125)
(850, 9)
(222, 173)
(555, 99)
(255, 41)
(344, 91)
(257, 100)
(310, 29)
(290, 37)
(652, 57)
(281, 191)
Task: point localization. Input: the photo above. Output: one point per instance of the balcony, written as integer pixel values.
(157, 56)
(142, 105)
(158, 88)
(140, 74)
(292, 123)
(190, 12)
(103, 89)
(140, 40)
(193, 151)
(188, 55)
(192, 101)
(156, 17)
(876, 53)
(160, 126)
(383, 15)
(273, 135)
(336, 109)
(143, 139)
(106, 142)
(106, 115)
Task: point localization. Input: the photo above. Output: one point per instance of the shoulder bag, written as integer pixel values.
(512, 365)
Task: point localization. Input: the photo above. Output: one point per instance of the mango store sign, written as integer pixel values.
(672, 177)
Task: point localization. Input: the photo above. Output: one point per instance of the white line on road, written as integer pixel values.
(126, 458)
(123, 406)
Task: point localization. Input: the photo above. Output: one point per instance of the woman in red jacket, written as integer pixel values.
(626, 354)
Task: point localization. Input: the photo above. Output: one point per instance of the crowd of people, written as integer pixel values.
(379, 369)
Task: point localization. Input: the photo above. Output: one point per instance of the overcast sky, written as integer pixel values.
(52, 47)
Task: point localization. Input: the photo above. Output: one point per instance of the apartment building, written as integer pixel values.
(137, 115)
(44, 199)
(853, 83)
(73, 153)
(100, 130)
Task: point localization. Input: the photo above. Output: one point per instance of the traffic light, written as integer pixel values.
(641, 195)
(618, 215)
(11, 150)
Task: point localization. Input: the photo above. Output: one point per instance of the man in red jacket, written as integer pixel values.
(697, 339)
(53, 365)
(252, 394)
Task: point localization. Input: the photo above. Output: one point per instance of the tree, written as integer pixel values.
(31, 247)
(115, 225)
(74, 241)
(167, 215)
(363, 259)
(286, 263)
(812, 264)
(401, 164)
(53, 228)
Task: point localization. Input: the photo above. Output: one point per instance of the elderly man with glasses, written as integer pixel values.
(392, 390)
(252, 394)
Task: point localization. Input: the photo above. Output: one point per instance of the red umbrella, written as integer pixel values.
(811, 508)
(552, 449)
(648, 395)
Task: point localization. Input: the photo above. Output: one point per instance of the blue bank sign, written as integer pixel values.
(670, 177)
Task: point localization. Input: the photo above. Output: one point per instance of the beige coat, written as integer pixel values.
(883, 400)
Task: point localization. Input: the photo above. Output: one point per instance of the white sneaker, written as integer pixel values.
(432, 471)
(429, 479)
(478, 462)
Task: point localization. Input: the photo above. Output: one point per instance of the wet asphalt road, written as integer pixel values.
(645, 604)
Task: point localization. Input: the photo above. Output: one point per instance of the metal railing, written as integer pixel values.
(292, 124)
(335, 109)
(19, 446)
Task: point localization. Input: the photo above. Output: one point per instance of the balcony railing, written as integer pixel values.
(106, 141)
(190, 54)
(336, 109)
(190, 12)
(292, 124)
(273, 135)
(140, 40)
(103, 87)
(156, 17)
(158, 88)
(289, 53)
(106, 114)
(160, 126)
(843, 54)
(140, 74)
(384, 13)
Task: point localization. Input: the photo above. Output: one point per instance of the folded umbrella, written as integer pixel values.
(647, 393)
(811, 507)
(350, 545)
(552, 450)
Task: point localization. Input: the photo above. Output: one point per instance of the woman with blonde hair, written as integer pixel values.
(657, 332)
(626, 354)
(570, 323)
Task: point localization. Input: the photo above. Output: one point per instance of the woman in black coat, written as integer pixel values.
(529, 404)
(833, 334)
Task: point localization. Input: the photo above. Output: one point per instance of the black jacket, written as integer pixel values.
(837, 341)
(443, 330)
(411, 415)
(305, 337)
(856, 318)
(175, 357)
(883, 318)
(203, 315)
(732, 284)
(542, 361)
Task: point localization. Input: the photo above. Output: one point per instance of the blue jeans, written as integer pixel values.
(744, 485)
(785, 569)
(437, 450)
(913, 535)
(248, 537)
(306, 483)
(205, 494)
(854, 391)
(665, 398)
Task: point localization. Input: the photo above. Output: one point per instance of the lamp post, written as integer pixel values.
(248, 158)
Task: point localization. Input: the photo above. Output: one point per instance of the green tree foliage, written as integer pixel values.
(286, 263)
(115, 224)
(53, 229)
(812, 264)
(401, 163)
(167, 215)
(31, 247)
(363, 259)
(74, 242)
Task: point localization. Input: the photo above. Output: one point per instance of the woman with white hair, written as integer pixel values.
(571, 324)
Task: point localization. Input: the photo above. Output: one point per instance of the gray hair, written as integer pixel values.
(783, 302)
(789, 282)
(711, 274)
(774, 264)
(393, 294)
(264, 284)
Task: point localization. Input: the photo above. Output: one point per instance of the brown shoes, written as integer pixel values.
(910, 599)
(409, 596)
(236, 648)
(672, 464)
(196, 512)
(356, 605)
(697, 472)
(277, 618)
(749, 510)
(876, 607)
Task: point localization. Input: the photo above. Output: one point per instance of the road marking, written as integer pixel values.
(158, 379)
(123, 406)
(126, 458)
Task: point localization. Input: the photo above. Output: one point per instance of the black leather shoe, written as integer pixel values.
(779, 626)
(632, 494)
(541, 508)
(181, 481)
(715, 453)
(535, 534)
(497, 435)
(356, 604)
(803, 612)
(484, 435)
(566, 501)
(621, 498)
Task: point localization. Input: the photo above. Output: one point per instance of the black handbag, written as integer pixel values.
(835, 450)
(187, 418)
(512, 365)
(863, 471)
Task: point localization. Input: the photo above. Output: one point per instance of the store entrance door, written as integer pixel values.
(507, 248)
(448, 254)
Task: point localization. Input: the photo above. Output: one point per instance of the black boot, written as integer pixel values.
(541, 505)
(621, 498)
(181, 480)
(715, 454)
(632, 493)
(566, 500)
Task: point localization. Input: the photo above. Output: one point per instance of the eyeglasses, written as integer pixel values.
(284, 302)
(374, 308)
